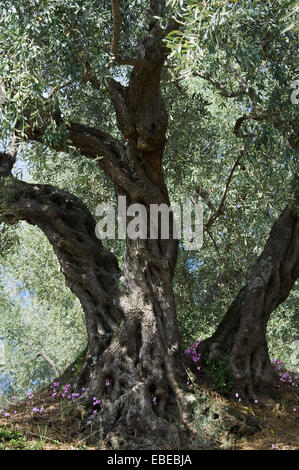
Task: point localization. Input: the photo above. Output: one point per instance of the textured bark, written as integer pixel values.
(132, 335)
(133, 339)
(241, 335)
(91, 272)
(133, 362)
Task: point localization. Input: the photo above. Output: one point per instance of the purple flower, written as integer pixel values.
(256, 401)
(6, 415)
(237, 395)
(107, 382)
(155, 400)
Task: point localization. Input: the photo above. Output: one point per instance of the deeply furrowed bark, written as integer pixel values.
(133, 341)
(132, 335)
(241, 335)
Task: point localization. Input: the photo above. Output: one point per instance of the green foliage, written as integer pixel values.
(220, 373)
(11, 439)
(37, 313)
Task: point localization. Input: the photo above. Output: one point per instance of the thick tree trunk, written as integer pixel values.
(133, 362)
(241, 335)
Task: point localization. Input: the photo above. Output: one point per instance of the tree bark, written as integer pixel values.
(133, 339)
(133, 364)
(241, 335)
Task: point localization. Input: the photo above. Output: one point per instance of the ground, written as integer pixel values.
(225, 423)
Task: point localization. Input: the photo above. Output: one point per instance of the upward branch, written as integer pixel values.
(116, 27)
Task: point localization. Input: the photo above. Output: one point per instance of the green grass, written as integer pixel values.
(16, 440)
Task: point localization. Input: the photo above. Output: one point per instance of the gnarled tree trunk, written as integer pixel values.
(241, 335)
(133, 363)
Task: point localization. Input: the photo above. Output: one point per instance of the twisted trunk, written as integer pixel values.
(241, 335)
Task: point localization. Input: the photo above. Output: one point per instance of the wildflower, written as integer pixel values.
(294, 409)
(35, 410)
(66, 388)
(94, 412)
(42, 410)
(155, 400)
(107, 382)
(83, 389)
(75, 395)
(237, 395)
(13, 398)
(6, 415)
(256, 401)
(73, 369)
(30, 395)
(273, 446)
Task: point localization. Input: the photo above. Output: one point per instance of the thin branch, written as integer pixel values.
(214, 243)
(219, 210)
(49, 360)
(237, 128)
(243, 90)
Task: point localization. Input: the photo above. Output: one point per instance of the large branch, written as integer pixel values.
(90, 271)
